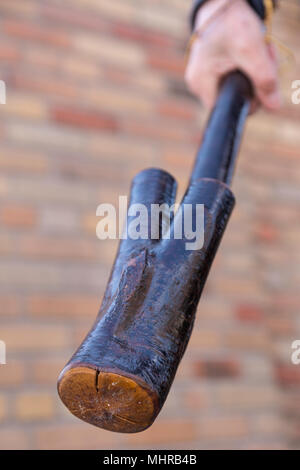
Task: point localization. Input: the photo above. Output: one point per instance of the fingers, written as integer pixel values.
(200, 79)
(255, 57)
(207, 65)
(234, 41)
(258, 62)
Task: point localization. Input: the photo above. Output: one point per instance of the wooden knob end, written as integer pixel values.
(108, 400)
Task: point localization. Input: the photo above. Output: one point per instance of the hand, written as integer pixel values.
(232, 38)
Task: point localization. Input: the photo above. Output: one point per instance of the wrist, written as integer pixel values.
(208, 10)
(257, 5)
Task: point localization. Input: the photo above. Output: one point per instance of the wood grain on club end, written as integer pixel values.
(107, 400)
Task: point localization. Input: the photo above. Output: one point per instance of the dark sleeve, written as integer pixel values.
(257, 5)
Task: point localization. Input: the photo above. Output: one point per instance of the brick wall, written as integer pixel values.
(95, 94)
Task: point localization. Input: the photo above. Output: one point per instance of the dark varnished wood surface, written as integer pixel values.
(120, 376)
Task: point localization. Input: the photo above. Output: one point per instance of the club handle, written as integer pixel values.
(217, 154)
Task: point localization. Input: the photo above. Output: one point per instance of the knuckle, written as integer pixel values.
(188, 76)
(266, 82)
(245, 46)
(250, 23)
(191, 79)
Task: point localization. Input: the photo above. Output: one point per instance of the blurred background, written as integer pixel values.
(95, 93)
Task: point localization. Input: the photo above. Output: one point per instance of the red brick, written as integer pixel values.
(3, 408)
(46, 371)
(217, 369)
(113, 101)
(115, 75)
(8, 52)
(54, 248)
(249, 313)
(73, 437)
(241, 396)
(197, 398)
(18, 216)
(74, 17)
(174, 110)
(238, 288)
(63, 306)
(20, 161)
(12, 374)
(272, 424)
(51, 86)
(288, 151)
(14, 438)
(33, 338)
(36, 406)
(249, 340)
(205, 339)
(223, 428)
(155, 131)
(84, 119)
(164, 432)
(287, 375)
(14, 8)
(22, 106)
(266, 232)
(33, 32)
(279, 326)
(110, 50)
(11, 305)
(286, 300)
(174, 65)
(141, 35)
(261, 445)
